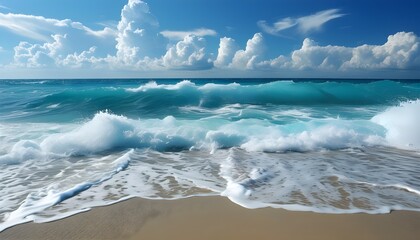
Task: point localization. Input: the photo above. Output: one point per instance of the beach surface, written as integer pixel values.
(216, 218)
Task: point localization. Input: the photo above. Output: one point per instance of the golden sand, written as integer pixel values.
(216, 218)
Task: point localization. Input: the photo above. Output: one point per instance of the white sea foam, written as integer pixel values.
(48, 196)
(317, 184)
(329, 182)
(184, 84)
(153, 85)
(107, 132)
(402, 124)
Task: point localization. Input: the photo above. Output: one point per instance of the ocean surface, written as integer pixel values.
(328, 146)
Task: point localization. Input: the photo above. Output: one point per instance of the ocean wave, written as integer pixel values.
(396, 126)
(154, 99)
(402, 124)
(109, 132)
(283, 92)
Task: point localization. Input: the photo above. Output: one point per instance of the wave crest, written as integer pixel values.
(402, 124)
(110, 132)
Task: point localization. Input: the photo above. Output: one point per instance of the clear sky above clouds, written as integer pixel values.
(201, 38)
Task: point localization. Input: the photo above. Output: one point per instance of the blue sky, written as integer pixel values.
(219, 38)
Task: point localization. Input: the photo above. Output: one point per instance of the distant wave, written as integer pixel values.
(156, 100)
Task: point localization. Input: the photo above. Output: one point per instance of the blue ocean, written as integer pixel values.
(324, 145)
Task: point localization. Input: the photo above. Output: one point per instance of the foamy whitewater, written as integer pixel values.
(323, 146)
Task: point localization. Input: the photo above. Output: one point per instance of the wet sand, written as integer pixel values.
(216, 218)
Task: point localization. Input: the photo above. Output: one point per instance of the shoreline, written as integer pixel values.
(215, 218)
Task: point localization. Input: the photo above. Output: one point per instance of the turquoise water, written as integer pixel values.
(331, 146)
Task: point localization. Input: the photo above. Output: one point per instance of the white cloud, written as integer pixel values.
(280, 62)
(312, 56)
(140, 45)
(37, 55)
(226, 52)
(278, 26)
(315, 21)
(104, 33)
(60, 51)
(188, 54)
(401, 51)
(4, 7)
(180, 35)
(76, 60)
(138, 36)
(29, 26)
(304, 24)
(137, 44)
(49, 41)
(135, 37)
(41, 28)
(248, 58)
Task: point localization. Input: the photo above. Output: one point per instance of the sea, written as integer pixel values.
(322, 145)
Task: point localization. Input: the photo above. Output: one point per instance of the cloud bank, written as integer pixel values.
(138, 44)
(400, 51)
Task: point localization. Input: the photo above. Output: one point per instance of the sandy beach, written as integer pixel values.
(216, 218)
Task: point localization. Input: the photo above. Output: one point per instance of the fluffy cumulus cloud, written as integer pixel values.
(142, 46)
(313, 56)
(78, 60)
(226, 52)
(230, 56)
(304, 24)
(138, 34)
(54, 53)
(38, 55)
(251, 55)
(187, 54)
(49, 54)
(401, 51)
